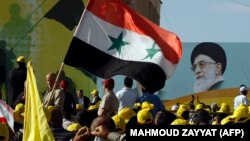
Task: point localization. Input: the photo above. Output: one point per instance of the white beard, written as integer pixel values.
(204, 83)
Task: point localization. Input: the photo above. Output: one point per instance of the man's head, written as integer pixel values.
(208, 64)
(64, 85)
(21, 61)
(103, 121)
(85, 117)
(109, 84)
(243, 89)
(56, 119)
(95, 93)
(128, 82)
(50, 78)
(214, 107)
(80, 93)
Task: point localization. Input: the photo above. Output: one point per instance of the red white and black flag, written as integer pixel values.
(112, 39)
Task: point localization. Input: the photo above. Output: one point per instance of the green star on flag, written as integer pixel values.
(152, 51)
(133, 36)
(117, 43)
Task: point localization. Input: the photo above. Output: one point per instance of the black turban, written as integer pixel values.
(212, 50)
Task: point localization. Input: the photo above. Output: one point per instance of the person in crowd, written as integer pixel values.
(85, 117)
(144, 117)
(191, 105)
(242, 97)
(174, 108)
(59, 133)
(69, 102)
(21, 97)
(82, 134)
(104, 133)
(129, 115)
(208, 64)
(102, 128)
(4, 128)
(82, 99)
(120, 124)
(153, 99)
(127, 96)
(203, 117)
(55, 98)
(214, 107)
(109, 104)
(3, 58)
(66, 121)
(217, 119)
(103, 121)
(96, 97)
(164, 118)
(15, 81)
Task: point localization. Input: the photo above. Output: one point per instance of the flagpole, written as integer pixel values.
(62, 65)
(55, 84)
(81, 17)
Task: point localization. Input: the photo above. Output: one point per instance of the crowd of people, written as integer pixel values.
(82, 118)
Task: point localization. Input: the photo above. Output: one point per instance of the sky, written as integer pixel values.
(207, 20)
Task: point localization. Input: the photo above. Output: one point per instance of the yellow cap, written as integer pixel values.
(79, 107)
(224, 108)
(227, 120)
(95, 92)
(208, 110)
(126, 113)
(20, 59)
(240, 113)
(120, 124)
(50, 108)
(92, 107)
(198, 107)
(144, 116)
(179, 122)
(147, 105)
(4, 134)
(74, 127)
(19, 108)
(179, 112)
(185, 106)
(137, 105)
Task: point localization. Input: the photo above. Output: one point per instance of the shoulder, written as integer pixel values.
(217, 85)
(121, 91)
(58, 92)
(86, 97)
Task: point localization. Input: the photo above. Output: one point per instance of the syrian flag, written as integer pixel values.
(66, 12)
(112, 39)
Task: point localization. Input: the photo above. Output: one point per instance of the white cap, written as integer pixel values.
(174, 107)
(243, 88)
(213, 105)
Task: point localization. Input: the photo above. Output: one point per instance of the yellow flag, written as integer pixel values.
(36, 127)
